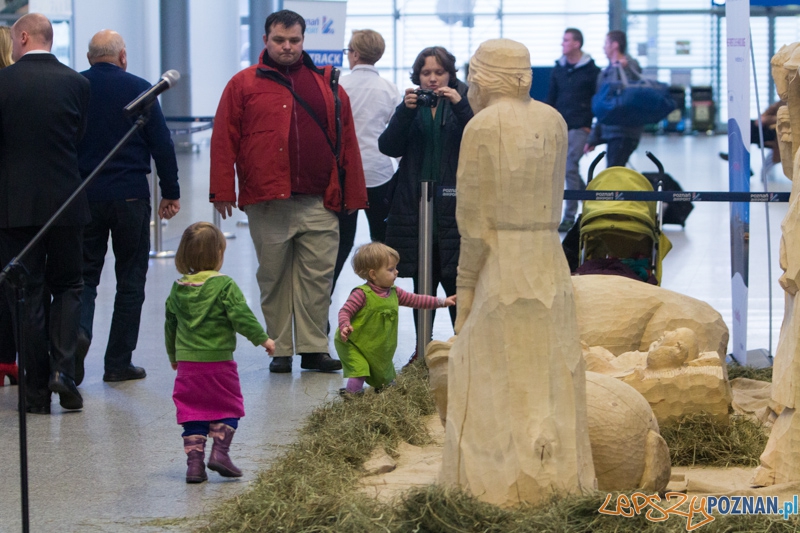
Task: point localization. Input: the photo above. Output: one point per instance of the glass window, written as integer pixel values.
(461, 25)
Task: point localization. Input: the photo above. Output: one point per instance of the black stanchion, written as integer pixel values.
(678, 196)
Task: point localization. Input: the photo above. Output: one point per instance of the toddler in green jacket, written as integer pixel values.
(205, 310)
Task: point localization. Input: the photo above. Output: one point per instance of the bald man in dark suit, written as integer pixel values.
(43, 107)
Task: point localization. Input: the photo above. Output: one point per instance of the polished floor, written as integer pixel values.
(118, 465)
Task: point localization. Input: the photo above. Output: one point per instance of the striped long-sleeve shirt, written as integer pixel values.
(357, 300)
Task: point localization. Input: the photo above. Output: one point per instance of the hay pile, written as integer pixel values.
(700, 439)
(313, 487)
(739, 371)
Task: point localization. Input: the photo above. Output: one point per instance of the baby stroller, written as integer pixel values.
(622, 237)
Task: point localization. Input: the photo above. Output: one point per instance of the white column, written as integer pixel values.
(137, 22)
(215, 44)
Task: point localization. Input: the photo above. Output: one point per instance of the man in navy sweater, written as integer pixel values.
(572, 86)
(119, 200)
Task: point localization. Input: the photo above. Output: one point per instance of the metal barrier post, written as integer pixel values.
(424, 323)
(217, 220)
(157, 223)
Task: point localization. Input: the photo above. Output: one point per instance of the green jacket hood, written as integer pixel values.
(193, 296)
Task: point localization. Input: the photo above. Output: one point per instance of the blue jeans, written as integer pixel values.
(128, 222)
(576, 139)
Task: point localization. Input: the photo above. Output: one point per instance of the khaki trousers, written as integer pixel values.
(296, 242)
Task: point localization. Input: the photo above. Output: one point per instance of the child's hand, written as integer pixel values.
(174, 366)
(450, 300)
(269, 344)
(345, 332)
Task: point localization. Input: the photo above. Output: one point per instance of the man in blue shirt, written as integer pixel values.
(119, 200)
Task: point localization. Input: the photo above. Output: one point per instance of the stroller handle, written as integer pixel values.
(655, 160)
(597, 159)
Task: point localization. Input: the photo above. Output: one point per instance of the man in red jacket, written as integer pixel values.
(293, 145)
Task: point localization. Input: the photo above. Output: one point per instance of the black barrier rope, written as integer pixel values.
(678, 196)
(207, 124)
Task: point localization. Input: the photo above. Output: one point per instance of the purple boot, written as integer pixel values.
(219, 461)
(195, 448)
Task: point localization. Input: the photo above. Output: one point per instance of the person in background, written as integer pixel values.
(622, 140)
(372, 99)
(291, 184)
(8, 348)
(119, 200)
(572, 85)
(43, 105)
(5, 47)
(428, 139)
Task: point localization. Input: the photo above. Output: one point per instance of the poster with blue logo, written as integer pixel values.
(738, 48)
(324, 39)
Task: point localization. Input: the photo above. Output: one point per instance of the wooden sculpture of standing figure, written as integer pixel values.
(516, 427)
(780, 461)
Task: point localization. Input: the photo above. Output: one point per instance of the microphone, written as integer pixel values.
(146, 99)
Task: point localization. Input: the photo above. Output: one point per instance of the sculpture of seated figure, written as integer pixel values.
(673, 376)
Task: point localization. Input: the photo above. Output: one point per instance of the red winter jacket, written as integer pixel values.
(251, 131)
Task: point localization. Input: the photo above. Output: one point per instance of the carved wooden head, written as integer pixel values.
(499, 68)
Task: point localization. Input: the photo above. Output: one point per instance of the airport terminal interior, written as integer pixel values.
(118, 465)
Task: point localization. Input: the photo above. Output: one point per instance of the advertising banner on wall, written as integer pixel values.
(324, 39)
(737, 17)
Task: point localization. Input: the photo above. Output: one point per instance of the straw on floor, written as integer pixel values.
(312, 488)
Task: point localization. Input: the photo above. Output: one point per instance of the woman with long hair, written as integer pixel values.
(5, 46)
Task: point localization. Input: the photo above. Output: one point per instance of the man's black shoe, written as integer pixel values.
(126, 374)
(68, 394)
(280, 365)
(319, 361)
(723, 156)
(80, 356)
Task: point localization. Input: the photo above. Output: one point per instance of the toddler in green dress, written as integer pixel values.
(366, 338)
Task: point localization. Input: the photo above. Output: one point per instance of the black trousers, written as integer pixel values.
(376, 216)
(128, 223)
(54, 268)
(448, 284)
(8, 348)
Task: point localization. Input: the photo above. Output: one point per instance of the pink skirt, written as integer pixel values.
(207, 391)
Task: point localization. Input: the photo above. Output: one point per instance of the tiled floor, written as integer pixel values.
(118, 465)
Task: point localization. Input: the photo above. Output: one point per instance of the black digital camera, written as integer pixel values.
(426, 98)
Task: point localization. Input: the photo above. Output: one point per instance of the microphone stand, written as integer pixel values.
(15, 274)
